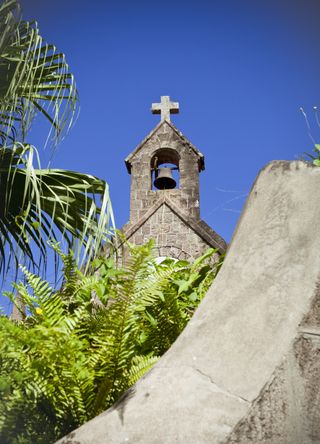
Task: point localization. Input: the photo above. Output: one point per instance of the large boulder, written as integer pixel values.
(247, 367)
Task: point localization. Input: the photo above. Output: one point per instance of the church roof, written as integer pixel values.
(200, 227)
(179, 133)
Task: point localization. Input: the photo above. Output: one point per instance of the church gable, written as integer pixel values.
(173, 236)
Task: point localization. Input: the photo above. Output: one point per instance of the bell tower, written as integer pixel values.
(165, 147)
(164, 196)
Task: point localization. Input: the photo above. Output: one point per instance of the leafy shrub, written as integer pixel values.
(81, 347)
(315, 158)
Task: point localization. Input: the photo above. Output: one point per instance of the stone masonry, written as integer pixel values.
(170, 216)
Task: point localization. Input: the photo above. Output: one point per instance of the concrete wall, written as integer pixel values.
(246, 369)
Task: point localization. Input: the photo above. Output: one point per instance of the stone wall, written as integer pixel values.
(173, 237)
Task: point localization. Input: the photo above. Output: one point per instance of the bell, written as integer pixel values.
(164, 179)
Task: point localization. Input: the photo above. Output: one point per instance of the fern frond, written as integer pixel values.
(74, 358)
(140, 366)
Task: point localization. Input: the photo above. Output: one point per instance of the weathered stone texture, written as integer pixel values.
(170, 234)
(287, 411)
(246, 369)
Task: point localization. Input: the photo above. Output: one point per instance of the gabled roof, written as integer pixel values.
(198, 226)
(179, 133)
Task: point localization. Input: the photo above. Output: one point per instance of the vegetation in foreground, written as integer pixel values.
(37, 203)
(81, 347)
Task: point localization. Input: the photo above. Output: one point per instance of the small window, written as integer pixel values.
(165, 170)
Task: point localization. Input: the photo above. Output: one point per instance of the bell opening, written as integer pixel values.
(164, 167)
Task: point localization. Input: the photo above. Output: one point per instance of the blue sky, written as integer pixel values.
(239, 69)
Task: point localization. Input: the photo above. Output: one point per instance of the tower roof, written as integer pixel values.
(184, 140)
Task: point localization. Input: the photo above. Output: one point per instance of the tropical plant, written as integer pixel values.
(34, 77)
(37, 204)
(80, 348)
(315, 158)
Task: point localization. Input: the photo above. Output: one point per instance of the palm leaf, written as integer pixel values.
(34, 78)
(37, 204)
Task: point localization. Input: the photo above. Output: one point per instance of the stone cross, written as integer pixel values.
(165, 108)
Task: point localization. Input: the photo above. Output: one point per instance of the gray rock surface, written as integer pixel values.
(247, 367)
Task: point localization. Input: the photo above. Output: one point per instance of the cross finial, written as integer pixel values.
(165, 108)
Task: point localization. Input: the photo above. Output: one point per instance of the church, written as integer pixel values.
(165, 195)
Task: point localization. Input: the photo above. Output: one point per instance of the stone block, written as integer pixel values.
(247, 368)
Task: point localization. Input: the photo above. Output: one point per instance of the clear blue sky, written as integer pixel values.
(240, 70)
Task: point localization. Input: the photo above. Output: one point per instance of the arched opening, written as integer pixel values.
(171, 252)
(164, 169)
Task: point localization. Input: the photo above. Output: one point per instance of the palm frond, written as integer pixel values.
(37, 204)
(34, 78)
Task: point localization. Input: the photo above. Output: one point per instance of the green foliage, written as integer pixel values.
(80, 348)
(315, 158)
(34, 78)
(36, 204)
(39, 204)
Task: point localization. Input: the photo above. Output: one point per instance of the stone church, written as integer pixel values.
(165, 197)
